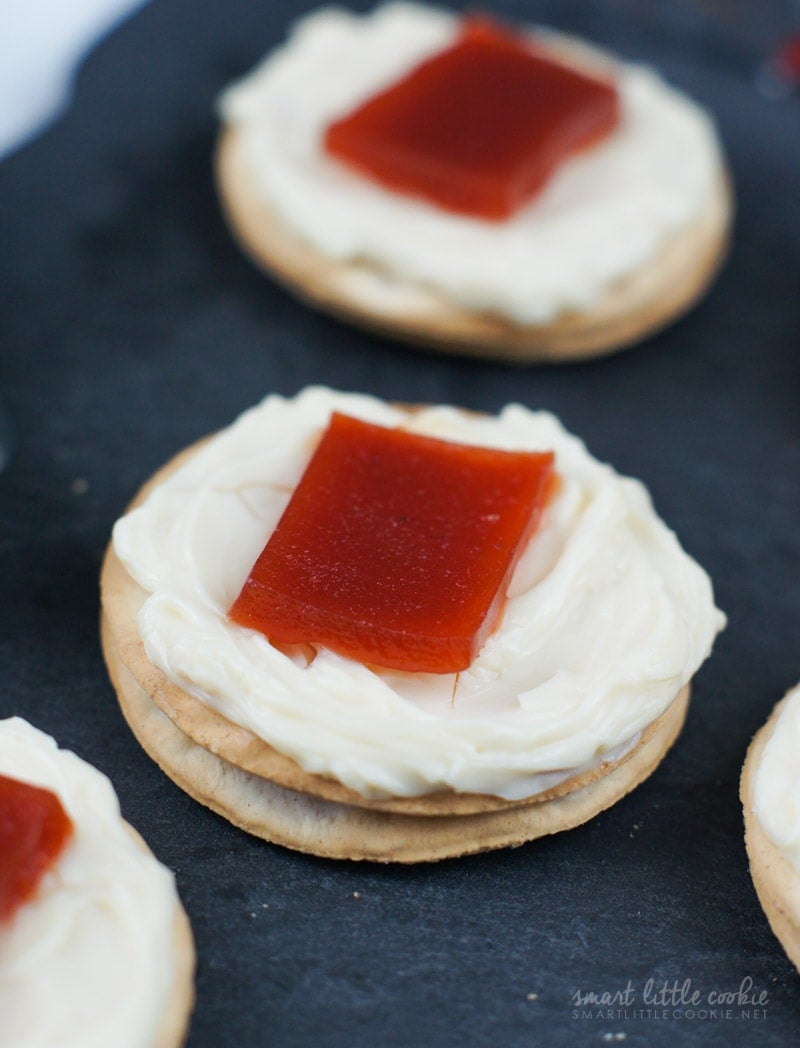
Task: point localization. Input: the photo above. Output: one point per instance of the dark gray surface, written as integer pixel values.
(131, 326)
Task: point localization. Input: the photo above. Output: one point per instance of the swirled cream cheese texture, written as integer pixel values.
(88, 962)
(606, 617)
(604, 214)
(776, 793)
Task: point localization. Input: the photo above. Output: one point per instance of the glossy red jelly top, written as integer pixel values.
(479, 127)
(34, 829)
(395, 548)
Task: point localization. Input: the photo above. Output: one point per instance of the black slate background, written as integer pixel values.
(130, 325)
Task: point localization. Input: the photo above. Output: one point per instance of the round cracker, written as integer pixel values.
(775, 878)
(361, 293)
(340, 831)
(122, 599)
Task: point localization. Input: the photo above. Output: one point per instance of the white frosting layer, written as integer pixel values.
(606, 618)
(604, 213)
(776, 792)
(88, 963)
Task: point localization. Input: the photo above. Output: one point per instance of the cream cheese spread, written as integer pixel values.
(87, 963)
(604, 214)
(606, 617)
(776, 791)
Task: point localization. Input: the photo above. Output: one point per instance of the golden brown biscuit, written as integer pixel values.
(775, 878)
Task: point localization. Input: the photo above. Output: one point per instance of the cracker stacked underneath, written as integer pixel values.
(362, 793)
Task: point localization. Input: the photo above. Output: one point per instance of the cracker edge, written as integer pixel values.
(121, 599)
(338, 831)
(771, 871)
(174, 1027)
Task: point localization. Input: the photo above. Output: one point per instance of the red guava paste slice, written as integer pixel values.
(478, 128)
(34, 829)
(788, 59)
(395, 548)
